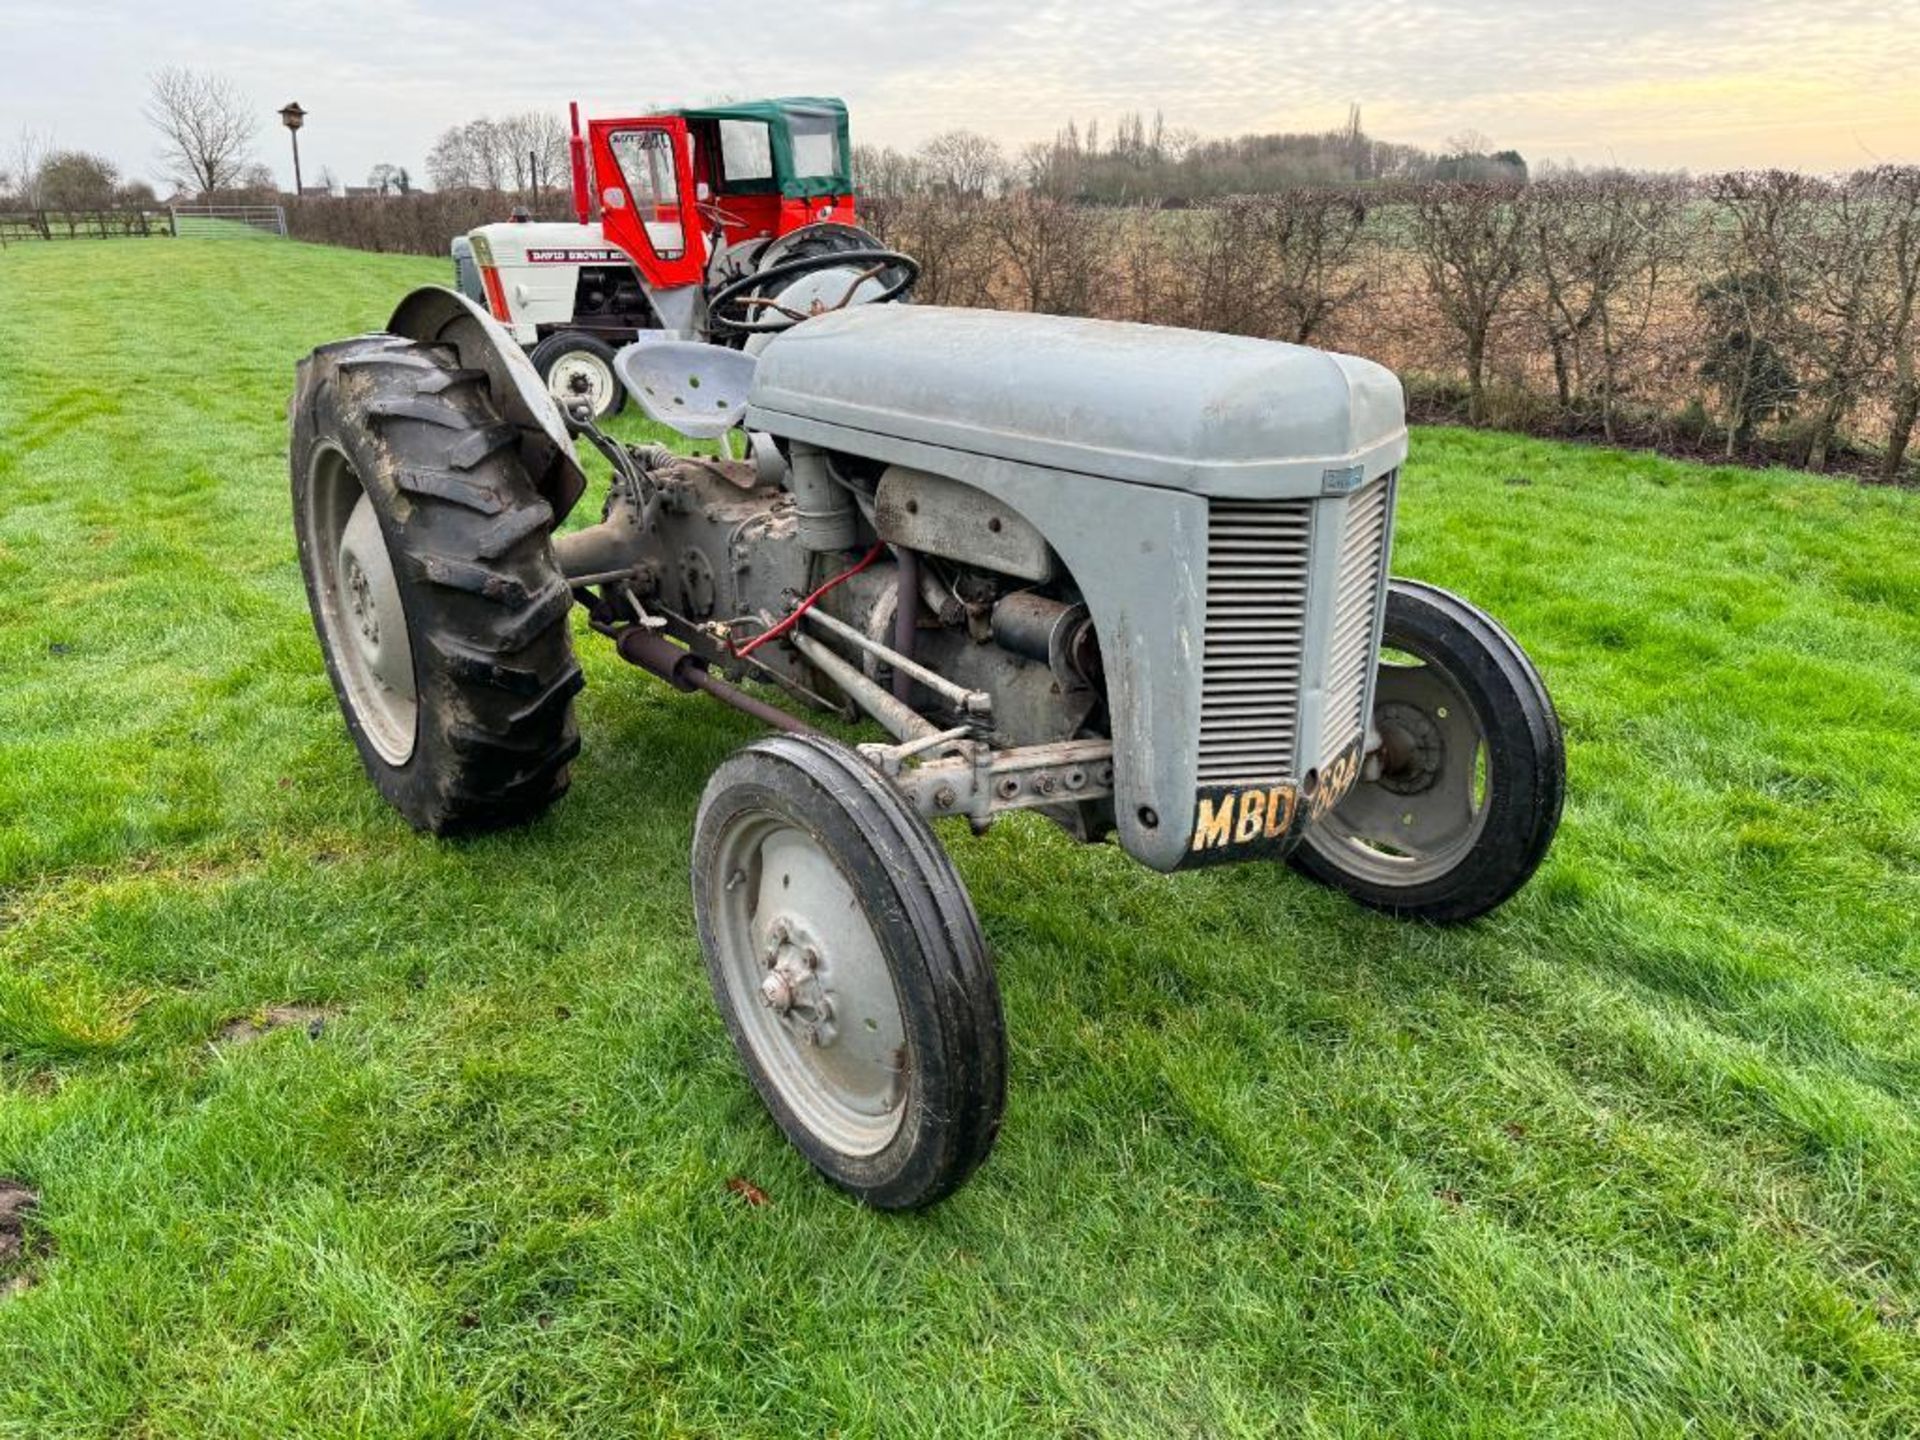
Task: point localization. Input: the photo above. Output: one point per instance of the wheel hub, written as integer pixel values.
(793, 987)
(808, 980)
(1412, 749)
(579, 377)
(1414, 818)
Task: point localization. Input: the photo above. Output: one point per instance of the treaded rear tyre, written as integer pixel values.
(467, 537)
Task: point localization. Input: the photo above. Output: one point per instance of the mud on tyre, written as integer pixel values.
(441, 612)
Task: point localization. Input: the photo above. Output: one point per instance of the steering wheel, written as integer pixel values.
(722, 219)
(741, 295)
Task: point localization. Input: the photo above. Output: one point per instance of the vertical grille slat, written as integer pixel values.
(1356, 599)
(1257, 565)
(1258, 629)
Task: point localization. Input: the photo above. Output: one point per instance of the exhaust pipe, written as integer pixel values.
(577, 153)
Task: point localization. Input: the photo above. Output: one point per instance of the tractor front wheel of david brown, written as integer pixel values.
(579, 368)
(1471, 772)
(441, 612)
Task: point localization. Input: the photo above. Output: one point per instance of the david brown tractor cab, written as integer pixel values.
(1132, 580)
(689, 224)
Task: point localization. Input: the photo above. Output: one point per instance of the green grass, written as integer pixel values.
(1639, 1153)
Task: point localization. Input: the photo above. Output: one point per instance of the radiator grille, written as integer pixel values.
(1257, 566)
(1259, 560)
(1356, 599)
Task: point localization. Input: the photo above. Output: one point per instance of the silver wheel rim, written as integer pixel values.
(808, 984)
(577, 376)
(1428, 806)
(361, 613)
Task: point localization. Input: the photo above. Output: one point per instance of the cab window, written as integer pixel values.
(746, 151)
(816, 146)
(646, 163)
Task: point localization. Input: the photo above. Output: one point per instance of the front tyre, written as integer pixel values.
(441, 612)
(850, 968)
(1471, 773)
(579, 368)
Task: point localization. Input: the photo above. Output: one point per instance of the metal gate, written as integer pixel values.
(228, 222)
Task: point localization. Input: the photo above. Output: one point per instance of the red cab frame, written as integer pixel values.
(636, 213)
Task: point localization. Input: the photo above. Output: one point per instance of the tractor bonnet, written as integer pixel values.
(1217, 415)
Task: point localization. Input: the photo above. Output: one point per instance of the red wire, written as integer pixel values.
(773, 632)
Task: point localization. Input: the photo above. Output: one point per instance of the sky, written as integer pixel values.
(1667, 84)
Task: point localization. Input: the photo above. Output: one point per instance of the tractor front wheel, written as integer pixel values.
(850, 968)
(1466, 789)
(579, 368)
(441, 612)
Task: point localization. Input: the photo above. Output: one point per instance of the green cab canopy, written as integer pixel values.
(809, 139)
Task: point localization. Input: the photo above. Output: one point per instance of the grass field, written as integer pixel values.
(1638, 1154)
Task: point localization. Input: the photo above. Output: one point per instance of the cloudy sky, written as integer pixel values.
(1699, 84)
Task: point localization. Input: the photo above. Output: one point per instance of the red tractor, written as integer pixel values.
(706, 224)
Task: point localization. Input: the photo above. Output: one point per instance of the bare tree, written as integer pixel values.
(533, 150)
(1278, 266)
(962, 162)
(1894, 311)
(1471, 244)
(1313, 239)
(450, 163)
(884, 173)
(1843, 336)
(22, 166)
(206, 126)
(1750, 304)
(526, 152)
(949, 237)
(1050, 170)
(74, 180)
(1053, 248)
(1602, 247)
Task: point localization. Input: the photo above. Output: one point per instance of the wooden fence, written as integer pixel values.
(22, 225)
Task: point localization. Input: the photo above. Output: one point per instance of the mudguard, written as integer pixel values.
(440, 316)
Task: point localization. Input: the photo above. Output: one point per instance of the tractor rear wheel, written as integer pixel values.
(441, 612)
(579, 367)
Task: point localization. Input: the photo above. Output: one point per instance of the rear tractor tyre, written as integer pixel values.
(1473, 770)
(441, 612)
(577, 367)
(850, 969)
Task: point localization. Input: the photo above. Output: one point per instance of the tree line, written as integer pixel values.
(1141, 161)
(205, 127)
(1767, 315)
(1763, 316)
